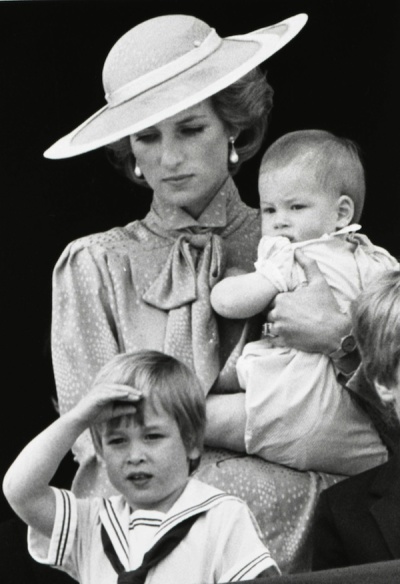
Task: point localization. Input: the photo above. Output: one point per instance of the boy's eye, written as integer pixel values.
(115, 441)
(153, 436)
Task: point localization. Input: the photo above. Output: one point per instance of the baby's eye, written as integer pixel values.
(297, 207)
(268, 210)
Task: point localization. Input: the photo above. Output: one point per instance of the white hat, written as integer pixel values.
(164, 66)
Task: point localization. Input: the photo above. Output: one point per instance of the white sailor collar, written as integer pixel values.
(196, 498)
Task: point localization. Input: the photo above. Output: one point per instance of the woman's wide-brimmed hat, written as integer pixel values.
(164, 66)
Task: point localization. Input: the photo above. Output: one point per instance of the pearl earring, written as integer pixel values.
(233, 155)
(138, 172)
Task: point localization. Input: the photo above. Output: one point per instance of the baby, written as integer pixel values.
(312, 189)
(146, 412)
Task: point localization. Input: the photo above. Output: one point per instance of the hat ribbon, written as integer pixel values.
(161, 74)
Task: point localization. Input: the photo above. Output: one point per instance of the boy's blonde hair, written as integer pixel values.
(376, 325)
(164, 380)
(335, 162)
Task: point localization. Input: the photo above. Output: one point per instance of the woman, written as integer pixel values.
(358, 520)
(185, 108)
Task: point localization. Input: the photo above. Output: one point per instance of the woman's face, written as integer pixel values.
(184, 159)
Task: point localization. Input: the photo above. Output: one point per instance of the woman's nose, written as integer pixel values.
(171, 153)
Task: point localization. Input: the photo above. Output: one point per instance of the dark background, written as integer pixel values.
(341, 74)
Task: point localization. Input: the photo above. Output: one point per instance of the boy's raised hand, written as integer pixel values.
(27, 482)
(105, 401)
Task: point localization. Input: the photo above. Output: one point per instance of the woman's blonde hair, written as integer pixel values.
(243, 108)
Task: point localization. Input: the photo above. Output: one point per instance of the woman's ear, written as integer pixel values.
(194, 453)
(345, 211)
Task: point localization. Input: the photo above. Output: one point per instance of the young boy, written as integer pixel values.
(358, 520)
(146, 412)
(311, 187)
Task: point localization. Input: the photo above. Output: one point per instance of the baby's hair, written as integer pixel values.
(336, 162)
(376, 325)
(164, 380)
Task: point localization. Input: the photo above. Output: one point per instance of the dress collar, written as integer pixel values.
(214, 215)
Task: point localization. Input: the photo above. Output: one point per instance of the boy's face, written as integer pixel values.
(294, 205)
(391, 394)
(147, 463)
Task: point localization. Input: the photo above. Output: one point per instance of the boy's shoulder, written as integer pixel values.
(200, 495)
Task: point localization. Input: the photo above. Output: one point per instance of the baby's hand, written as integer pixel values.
(106, 401)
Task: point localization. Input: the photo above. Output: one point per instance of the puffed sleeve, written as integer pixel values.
(275, 260)
(83, 335)
(372, 259)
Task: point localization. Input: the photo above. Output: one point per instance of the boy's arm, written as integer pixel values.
(242, 296)
(26, 483)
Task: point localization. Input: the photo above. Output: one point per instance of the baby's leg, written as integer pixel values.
(226, 421)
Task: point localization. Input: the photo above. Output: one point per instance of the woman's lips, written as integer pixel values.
(177, 179)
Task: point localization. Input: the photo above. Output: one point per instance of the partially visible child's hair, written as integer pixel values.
(376, 326)
(164, 380)
(336, 162)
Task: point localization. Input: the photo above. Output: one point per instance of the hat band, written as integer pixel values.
(158, 76)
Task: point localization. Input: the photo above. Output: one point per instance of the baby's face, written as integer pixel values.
(293, 204)
(147, 461)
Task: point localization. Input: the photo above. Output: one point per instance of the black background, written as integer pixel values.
(341, 74)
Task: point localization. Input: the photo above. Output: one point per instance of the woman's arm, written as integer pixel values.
(242, 296)
(83, 335)
(26, 484)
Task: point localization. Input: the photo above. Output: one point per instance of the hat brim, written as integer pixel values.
(235, 57)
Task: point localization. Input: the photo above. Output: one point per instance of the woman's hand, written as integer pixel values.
(309, 318)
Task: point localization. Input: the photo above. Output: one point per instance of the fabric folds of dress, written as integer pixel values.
(195, 263)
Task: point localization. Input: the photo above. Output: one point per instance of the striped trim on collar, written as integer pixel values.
(196, 498)
(114, 515)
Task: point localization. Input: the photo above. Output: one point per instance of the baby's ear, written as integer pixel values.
(345, 211)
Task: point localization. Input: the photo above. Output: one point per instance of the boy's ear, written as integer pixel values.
(386, 395)
(345, 211)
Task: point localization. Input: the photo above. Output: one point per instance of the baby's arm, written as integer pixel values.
(26, 483)
(242, 296)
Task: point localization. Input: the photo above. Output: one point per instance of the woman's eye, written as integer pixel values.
(190, 130)
(146, 138)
